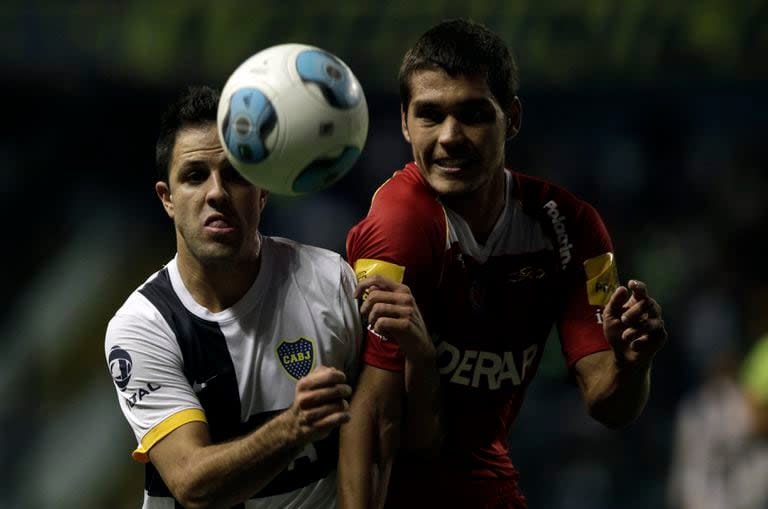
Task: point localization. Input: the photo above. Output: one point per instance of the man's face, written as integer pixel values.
(215, 210)
(457, 130)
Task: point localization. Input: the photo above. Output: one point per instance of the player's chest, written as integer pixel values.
(278, 351)
(502, 289)
(258, 359)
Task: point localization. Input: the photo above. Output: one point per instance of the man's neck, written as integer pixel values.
(481, 209)
(217, 287)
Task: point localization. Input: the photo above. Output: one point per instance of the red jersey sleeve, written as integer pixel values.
(405, 233)
(590, 277)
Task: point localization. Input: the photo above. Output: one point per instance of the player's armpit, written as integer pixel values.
(369, 440)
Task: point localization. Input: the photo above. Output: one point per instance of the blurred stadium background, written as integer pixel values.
(653, 110)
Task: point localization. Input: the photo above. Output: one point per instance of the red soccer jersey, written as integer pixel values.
(489, 308)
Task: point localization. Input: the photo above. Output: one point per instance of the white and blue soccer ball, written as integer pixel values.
(293, 119)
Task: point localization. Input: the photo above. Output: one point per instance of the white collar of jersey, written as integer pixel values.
(461, 232)
(242, 306)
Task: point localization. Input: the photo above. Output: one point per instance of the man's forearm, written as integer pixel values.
(423, 406)
(619, 394)
(223, 475)
(370, 439)
(357, 461)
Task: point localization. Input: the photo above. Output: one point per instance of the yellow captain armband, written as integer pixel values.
(602, 278)
(365, 267)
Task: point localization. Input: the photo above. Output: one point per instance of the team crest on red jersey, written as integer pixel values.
(297, 357)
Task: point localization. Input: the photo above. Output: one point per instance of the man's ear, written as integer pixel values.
(404, 124)
(514, 118)
(163, 191)
(263, 199)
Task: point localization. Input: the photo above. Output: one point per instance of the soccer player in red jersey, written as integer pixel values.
(494, 258)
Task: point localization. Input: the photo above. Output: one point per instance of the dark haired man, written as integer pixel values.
(232, 362)
(494, 258)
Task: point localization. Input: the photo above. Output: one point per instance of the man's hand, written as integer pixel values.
(633, 325)
(320, 404)
(391, 310)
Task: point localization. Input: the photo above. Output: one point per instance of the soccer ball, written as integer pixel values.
(292, 119)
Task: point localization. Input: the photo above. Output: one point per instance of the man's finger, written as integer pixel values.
(615, 305)
(313, 415)
(639, 312)
(631, 334)
(642, 344)
(382, 310)
(362, 291)
(390, 326)
(639, 289)
(385, 297)
(380, 282)
(653, 329)
(323, 376)
(324, 395)
(333, 420)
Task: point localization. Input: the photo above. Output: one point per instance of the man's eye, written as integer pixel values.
(430, 115)
(477, 116)
(193, 176)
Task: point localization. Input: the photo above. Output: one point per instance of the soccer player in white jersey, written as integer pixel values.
(232, 363)
(720, 454)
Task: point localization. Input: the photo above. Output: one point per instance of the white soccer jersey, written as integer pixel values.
(175, 362)
(719, 462)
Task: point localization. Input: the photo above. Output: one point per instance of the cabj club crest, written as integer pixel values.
(297, 357)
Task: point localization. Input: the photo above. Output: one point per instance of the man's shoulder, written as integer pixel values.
(404, 203)
(282, 246)
(405, 192)
(138, 324)
(540, 191)
(306, 260)
(138, 310)
(540, 197)
(137, 305)
(406, 223)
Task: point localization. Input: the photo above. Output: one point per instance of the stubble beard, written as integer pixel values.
(469, 193)
(210, 253)
(227, 256)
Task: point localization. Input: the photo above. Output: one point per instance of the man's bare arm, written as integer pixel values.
(204, 475)
(369, 440)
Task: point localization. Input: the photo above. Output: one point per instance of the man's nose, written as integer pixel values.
(451, 131)
(217, 189)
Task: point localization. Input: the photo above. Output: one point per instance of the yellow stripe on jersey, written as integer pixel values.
(162, 429)
(365, 267)
(373, 197)
(602, 278)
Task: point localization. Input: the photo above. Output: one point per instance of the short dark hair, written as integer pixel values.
(196, 106)
(463, 47)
